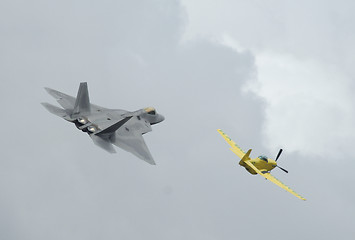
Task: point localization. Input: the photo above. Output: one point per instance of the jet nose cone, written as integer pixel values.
(157, 119)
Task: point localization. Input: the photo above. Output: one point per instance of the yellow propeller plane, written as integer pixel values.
(261, 165)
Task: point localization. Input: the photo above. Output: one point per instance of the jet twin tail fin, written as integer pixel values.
(82, 103)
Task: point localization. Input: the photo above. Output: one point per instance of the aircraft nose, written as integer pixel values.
(161, 118)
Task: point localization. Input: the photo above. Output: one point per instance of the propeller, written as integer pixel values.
(278, 155)
(282, 169)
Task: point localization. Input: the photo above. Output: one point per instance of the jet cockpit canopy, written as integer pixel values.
(150, 110)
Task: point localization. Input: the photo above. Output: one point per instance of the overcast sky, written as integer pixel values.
(272, 74)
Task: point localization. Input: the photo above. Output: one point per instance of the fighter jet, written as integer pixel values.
(107, 127)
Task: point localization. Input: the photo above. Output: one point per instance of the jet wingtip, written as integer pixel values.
(149, 160)
(51, 91)
(48, 89)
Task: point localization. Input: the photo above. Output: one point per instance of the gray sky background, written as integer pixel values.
(271, 74)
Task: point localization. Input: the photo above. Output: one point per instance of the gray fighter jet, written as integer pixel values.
(107, 126)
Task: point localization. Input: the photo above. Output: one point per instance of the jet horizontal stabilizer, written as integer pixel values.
(55, 110)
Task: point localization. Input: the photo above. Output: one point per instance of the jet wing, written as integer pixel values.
(133, 143)
(268, 176)
(234, 147)
(129, 137)
(66, 101)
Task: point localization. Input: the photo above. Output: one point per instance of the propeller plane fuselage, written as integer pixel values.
(262, 163)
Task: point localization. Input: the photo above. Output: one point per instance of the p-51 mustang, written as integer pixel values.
(107, 126)
(261, 165)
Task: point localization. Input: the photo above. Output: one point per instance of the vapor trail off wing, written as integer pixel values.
(234, 147)
(274, 180)
(103, 143)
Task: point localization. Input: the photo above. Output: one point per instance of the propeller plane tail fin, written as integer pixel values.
(246, 156)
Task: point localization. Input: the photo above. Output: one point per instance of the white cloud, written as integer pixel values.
(309, 104)
(56, 184)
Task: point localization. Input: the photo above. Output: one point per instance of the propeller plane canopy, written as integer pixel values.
(261, 165)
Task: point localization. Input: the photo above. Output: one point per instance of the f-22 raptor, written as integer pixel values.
(107, 126)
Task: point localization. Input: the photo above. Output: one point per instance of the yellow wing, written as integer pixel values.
(234, 147)
(274, 180)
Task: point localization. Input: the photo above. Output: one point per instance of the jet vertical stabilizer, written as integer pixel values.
(82, 103)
